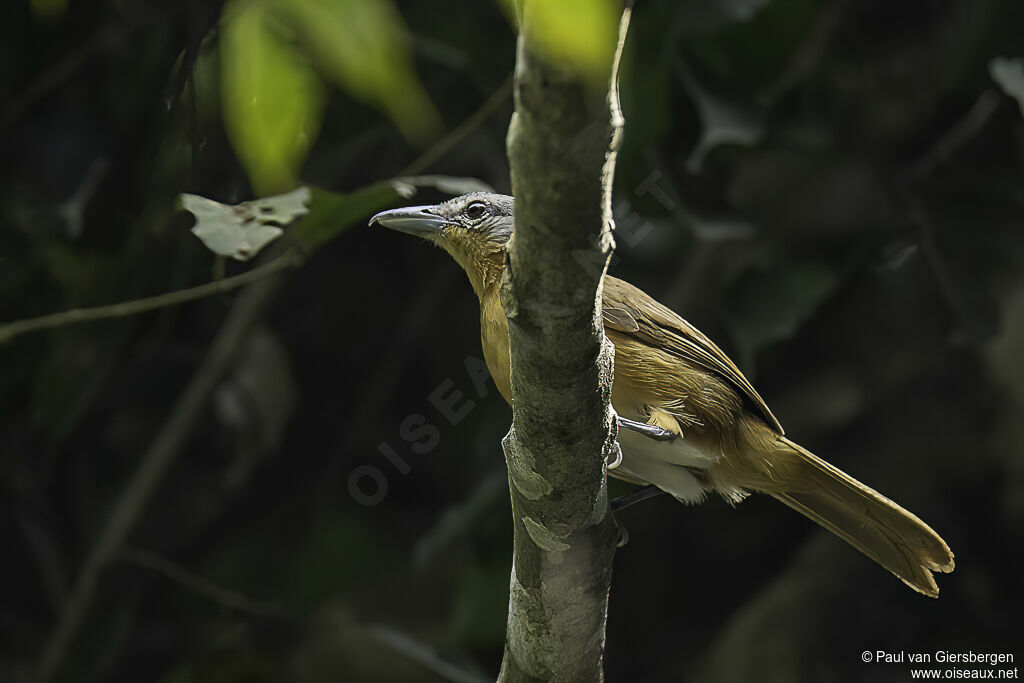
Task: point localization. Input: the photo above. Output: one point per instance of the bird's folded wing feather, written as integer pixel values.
(632, 312)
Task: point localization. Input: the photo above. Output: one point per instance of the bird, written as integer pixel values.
(689, 422)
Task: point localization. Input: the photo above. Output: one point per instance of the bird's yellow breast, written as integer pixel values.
(494, 338)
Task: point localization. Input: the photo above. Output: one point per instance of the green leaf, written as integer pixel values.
(363, 47)
(769, 306)
(1009, 74)
(582, 34)
(242, 230)
(272, 98)
(331, 212)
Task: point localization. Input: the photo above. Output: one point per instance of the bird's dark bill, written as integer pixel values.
(414, 220)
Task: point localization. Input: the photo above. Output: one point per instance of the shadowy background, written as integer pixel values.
(832, 190)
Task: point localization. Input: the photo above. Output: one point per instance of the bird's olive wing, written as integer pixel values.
(632, 312)
(619, 319)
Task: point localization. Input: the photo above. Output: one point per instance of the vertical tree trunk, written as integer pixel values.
(561, 146)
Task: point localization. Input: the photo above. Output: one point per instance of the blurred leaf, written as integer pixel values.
(272, 98)
(78, 360)
(49, 11)
(206, 79)
(339, 647)
(428, 657)
(808, 194)
(363, 46)
(725, 229)
(256, 401)
(77, 272)
(722, 122)
(769, 306)
(332, 556)
(242, 230)
(458, 519)
(481, 603)
(707, 15)
(76, 365)
(646, 91)
(767, 638)
(449, 184)
(580, 33)
(235, 664)
(1003, 357)
(743, 57)
(1009, 74)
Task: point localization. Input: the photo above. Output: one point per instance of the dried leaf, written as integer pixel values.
(449, 184)
(242, 230)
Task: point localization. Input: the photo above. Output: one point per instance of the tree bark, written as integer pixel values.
(561, 142)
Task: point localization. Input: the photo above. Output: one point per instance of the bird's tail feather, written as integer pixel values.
(891, 536)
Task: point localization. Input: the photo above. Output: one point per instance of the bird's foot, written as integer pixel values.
(650, 431)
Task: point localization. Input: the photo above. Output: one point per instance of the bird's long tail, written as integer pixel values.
(893, 537)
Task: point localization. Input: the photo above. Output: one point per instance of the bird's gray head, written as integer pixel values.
(474, 228)
(479, 215)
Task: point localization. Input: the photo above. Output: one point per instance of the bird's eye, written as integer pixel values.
(476, 210)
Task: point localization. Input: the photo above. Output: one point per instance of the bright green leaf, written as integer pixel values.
(241, 231)
(582, 34)
(363, 46)
(273, 100)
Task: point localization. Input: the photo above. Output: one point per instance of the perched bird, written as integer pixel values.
(690, 422)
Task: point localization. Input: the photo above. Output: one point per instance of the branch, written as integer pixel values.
(8, 331)
(290, 259)
(161, 454)
(340, 211)
(200, 585)
(393, 639)
(461, 131)
(561, 145)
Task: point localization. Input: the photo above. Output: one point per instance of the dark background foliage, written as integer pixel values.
(830, 189)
